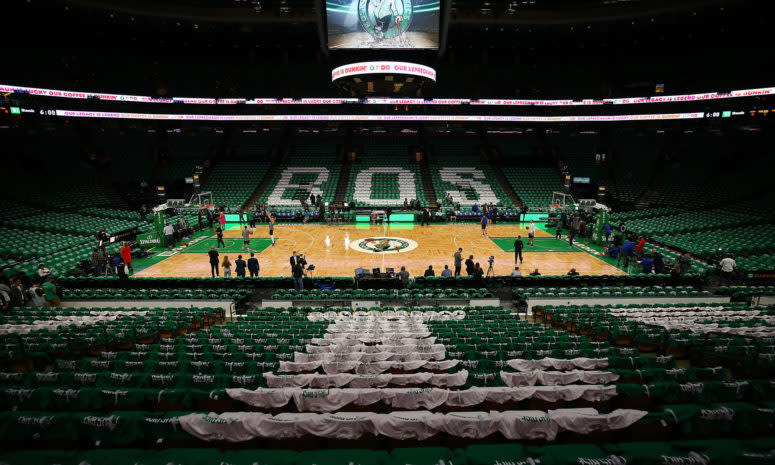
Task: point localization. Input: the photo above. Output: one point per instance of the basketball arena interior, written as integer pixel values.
(387, 232)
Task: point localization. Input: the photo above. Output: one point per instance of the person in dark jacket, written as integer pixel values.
(239, 266)
(659, 262)
(297, 272)
(214, 262)
(429, 271)
(470, 265)
(518, 246)
(253, 265)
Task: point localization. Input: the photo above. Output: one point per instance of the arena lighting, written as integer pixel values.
(452, 118)
(40, 92)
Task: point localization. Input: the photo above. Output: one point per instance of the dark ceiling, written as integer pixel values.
(462, 11)
(542, 49)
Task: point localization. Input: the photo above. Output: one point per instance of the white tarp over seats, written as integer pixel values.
(244, 426)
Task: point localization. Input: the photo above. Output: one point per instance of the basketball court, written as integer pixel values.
(339, 250)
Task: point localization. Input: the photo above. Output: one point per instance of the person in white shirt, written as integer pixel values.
(728, 269)
(531, 233)
(169, 235)
(43, 272)
(516, 272)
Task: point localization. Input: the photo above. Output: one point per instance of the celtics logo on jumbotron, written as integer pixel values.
(383, 245)
(385, 19)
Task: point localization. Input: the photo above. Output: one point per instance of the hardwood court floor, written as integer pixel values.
(331, 250)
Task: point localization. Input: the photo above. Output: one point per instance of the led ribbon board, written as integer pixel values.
(40, 92)
(464, 118)
(383, 67)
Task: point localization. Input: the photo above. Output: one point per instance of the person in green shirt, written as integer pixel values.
(50, 293)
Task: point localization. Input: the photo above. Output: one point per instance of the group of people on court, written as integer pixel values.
(241, 266)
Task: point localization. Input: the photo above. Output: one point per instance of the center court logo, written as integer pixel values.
(383, 245)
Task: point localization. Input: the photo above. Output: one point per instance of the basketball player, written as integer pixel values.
(484, 225)
(531, 233)
(246, 238)
(271, 228)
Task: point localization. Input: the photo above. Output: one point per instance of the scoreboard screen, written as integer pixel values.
(383, 24)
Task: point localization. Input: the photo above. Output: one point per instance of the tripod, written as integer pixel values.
(490, 271)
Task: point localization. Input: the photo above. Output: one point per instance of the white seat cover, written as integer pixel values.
(262, 398)
(406, 425)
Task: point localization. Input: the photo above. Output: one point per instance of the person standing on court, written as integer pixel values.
(639, 248)
(246, 238)
(484, 225)
(271, 228)
(252, 217)
(240, 265)
(626, 252)
(426, 216)
(226, 264)
(518, 246)
(213, 254)
(219, 234)
(574, 225)
(126, 254)
(531, 233)
(458, 261)
(253, 266)
(607, 232)
(169, 235)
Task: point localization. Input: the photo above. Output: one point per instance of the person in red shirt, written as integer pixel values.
(639, 248)
(126, 255)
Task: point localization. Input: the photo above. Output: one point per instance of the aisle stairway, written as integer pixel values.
(344, 178)
(427, 182)
(501, 178)
(262, 186)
